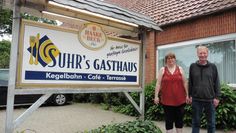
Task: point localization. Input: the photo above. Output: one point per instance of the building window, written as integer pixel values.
(222, 52)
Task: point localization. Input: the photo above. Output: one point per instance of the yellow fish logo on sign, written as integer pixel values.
(42, 50)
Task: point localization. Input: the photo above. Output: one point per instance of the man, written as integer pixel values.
(204, 90)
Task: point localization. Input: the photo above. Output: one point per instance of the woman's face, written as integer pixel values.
(170, 61)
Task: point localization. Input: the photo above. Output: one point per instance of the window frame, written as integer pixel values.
(214, 39)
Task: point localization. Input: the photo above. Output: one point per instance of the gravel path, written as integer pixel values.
(65, 119)
(71, 118)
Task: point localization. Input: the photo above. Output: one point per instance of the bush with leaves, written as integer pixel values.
(110, 99)
(137, 126)
(119, 103)
(225, 112)
(152, 111)
(5, 47)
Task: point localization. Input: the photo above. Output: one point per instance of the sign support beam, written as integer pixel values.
(133, 102)
(142, 94)
(30, 110)
(13, 67)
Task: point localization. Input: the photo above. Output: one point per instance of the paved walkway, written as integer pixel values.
(72, 118)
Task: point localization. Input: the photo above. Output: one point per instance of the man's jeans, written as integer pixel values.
(198, 107)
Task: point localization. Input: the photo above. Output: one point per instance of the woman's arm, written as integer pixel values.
(185, 83)
(158, 85)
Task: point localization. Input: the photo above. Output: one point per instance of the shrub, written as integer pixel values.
(225, 112)
(107, 98)
(137, 126)
(152, 111)
(126, 109)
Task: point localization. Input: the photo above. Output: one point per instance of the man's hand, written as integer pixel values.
(216, 102)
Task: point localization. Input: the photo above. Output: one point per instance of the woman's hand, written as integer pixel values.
(188, 100)
(156, 100)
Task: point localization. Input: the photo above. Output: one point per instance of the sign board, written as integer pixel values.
(52, 56)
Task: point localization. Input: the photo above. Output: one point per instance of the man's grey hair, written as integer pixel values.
(202, 47)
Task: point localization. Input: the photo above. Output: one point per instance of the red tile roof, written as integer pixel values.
(165, 12)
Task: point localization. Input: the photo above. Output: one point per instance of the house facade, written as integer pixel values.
(187, 24)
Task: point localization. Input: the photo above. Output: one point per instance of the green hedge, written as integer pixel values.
(225, 112)
(137, 126)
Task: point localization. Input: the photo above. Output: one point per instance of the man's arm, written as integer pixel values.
(216, 82)
(216, 86)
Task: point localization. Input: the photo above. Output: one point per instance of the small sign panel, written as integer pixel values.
(92, 36)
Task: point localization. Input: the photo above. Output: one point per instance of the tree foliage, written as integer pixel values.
(42, 20)
(5, 47)
(6, 16)
(5, 21)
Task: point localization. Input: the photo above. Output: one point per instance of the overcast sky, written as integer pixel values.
(5, 37)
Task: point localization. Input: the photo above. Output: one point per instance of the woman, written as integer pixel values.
(173, 90)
